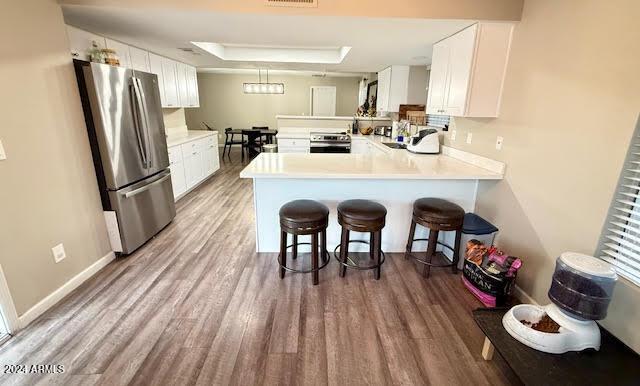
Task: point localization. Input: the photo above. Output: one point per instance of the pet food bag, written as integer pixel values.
(489, 273)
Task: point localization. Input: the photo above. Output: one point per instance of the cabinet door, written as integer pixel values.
(155, 67)
(192, 87)
(210, 156)
(359, 147)
(122, 52)
(139, 59)
(170, 81)
(178, 177)
(80, 42)
(384, 87)
(462, 47)
(438, 78)
(183, 87)
(193, 169)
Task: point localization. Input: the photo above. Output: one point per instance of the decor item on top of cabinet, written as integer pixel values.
(110, 57)
(393, 88)
(468, 70)
(95, 53)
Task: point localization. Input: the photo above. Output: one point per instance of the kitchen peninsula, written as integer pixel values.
(392, 177)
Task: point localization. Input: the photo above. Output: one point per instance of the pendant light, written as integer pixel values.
(263, 88)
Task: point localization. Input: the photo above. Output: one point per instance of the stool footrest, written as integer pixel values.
(383, 257)
(419, 260)
(324, 259)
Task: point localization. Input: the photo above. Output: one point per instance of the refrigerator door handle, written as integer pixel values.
(142, 148)
(145, 116)
(146, 187)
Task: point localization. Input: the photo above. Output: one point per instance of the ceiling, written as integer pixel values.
(375, 42)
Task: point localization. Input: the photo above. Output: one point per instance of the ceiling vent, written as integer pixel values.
(189, 50)
(292, 3)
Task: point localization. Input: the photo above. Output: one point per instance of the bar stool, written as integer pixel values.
(303, 217)
(436, 215)
(361, 216)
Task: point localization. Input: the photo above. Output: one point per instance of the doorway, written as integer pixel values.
(323, 101)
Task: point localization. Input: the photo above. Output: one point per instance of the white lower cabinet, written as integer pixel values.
(192, 162)
(293, 145)
(360, 146)
(176, 164)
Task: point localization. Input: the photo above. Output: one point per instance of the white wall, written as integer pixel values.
(49, 193)
(570, 105)
(224, 104)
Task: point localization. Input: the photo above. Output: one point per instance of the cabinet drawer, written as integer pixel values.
(293, 142)
(175, 155)
(292, 149)
(189, 149)
(212, 140)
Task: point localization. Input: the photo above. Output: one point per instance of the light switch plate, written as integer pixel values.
(499, 141)
(3, 155)
(469, 137)
(58, 253)
(453, 135)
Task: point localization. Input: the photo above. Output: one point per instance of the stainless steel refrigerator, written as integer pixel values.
(124, 119)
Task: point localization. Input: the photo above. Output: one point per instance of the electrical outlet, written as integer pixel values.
(3, 155)
(469, 137)
(58, 253)
(499, 141)
(453, 135)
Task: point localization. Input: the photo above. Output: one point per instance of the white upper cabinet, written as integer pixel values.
(192, 83)
(178, 82)
(155, 67)
(122, 52)
(183, 87)
(170, 83)
(467, 71)
(139, 59)
(393, 88)
(80, 42)
(438, 78)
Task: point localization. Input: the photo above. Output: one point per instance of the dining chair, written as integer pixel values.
(229, 141)
(268, 137)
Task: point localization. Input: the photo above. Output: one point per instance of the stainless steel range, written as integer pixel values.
(330, 142)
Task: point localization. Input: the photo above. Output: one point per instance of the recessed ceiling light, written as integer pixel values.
(256, 53)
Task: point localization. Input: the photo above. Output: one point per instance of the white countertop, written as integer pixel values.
(191, 135)
(392, 164)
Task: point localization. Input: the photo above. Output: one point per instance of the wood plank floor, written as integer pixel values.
(197, 305)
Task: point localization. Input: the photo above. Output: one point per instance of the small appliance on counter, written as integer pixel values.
(388, 130)
(426, 141)
(380, 130)
(580, 293)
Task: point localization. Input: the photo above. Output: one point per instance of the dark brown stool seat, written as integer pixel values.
(436, 215)
(361, 216)
(304, 217)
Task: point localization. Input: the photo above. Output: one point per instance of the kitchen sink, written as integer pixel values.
(395, 145)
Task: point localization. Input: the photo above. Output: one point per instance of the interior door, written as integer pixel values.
(158, 157)
(121, 141)
(323, 101)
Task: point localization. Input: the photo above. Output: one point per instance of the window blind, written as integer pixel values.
(620, 240)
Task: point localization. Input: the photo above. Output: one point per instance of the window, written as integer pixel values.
(620, 240)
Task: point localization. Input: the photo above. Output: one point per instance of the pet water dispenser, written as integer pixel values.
(580, 293)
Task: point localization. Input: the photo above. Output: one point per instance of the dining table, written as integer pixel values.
(254, 137)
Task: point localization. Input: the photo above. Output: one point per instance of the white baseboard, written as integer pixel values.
(523, 296)
(42, 306)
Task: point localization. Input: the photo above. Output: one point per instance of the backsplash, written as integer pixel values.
(174, 121)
